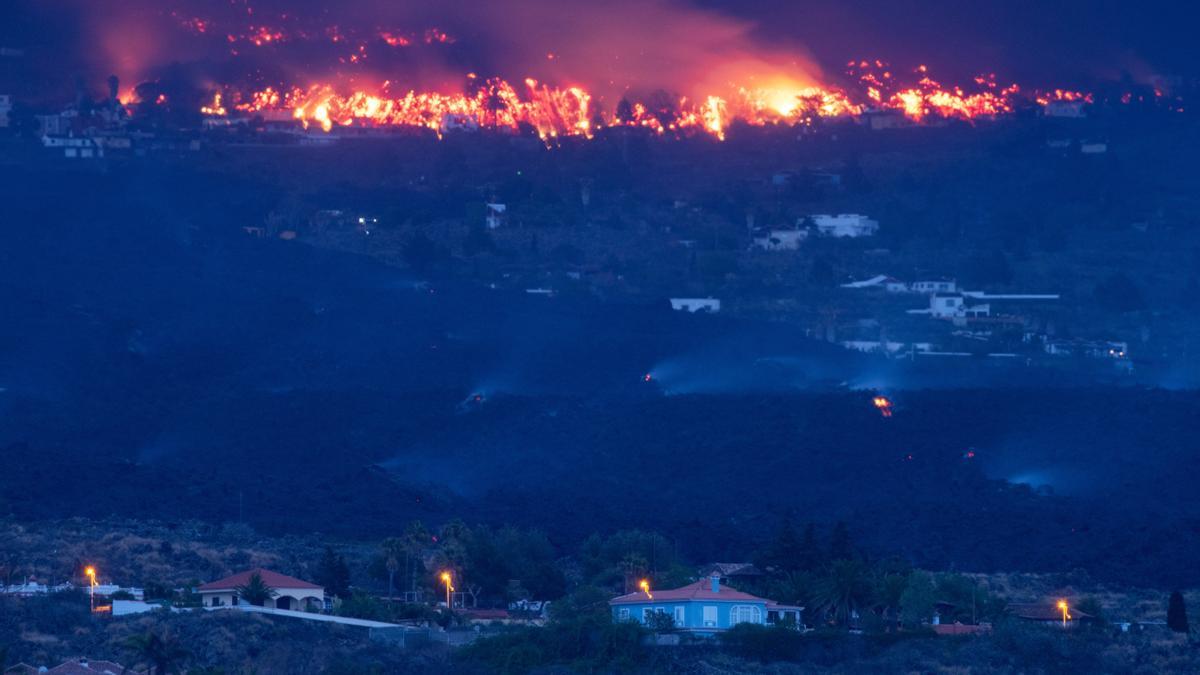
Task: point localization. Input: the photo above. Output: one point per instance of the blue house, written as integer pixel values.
(704, 607)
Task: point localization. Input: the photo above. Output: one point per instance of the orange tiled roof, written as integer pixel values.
(272, 579)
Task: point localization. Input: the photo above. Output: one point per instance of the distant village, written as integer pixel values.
(769, 255)
(708, 603)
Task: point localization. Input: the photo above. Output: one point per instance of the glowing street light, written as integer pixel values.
(91, 575)
(1062, 606)
(644, 584)
(447, 580)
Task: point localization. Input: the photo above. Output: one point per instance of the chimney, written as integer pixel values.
(716, 583)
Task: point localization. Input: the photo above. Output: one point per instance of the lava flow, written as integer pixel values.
(572, 111)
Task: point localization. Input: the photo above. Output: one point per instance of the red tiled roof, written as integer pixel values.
(960, 629)
(89, 667)
(699, 590)
(272, 579)
(1039, 612)
(486, 614)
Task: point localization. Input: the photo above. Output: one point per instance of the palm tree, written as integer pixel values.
(416, 540)
(393, 548)
(845, 589)
(256, 591)
(162, 651)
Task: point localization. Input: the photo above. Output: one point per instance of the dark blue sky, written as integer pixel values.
(1057, 38)
(1038, 43)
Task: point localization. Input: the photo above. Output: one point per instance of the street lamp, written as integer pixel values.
(447, 579)
(1062, 606)
(91, 575)
(644, 584)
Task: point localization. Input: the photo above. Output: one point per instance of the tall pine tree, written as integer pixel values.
(840, 547)
(1177, 613)
(334, 574)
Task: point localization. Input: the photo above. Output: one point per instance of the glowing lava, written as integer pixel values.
(883, 404)
(572, 111)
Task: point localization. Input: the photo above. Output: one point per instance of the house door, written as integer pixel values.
(283, 603)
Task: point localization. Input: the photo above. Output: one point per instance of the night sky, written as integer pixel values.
(1039, 43)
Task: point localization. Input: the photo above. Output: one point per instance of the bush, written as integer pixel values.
(763, 643)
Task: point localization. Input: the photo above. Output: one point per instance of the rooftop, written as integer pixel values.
(1042, 612)
(698, 590)
(272, 579)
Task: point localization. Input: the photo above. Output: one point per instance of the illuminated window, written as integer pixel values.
(710, 616)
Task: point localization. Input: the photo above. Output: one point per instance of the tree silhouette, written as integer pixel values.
(840, 547)
(393, 549)
(844, 590)
(334, 574)
(161, 650)
(917, 600)
(256, 591)
(1177, 613)
(624, 111)
(786, 553)
(416, 539)
(811, 550)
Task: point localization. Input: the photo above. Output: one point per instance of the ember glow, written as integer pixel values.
(884, 405)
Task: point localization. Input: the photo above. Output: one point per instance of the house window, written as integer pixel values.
(679, 617)
(744, 614)
(646, 612)
(710, 616)
(623, 615)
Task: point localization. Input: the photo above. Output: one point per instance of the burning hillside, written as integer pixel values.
(666, 67)
(554, 111)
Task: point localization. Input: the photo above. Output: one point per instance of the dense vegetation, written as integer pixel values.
(579, 639)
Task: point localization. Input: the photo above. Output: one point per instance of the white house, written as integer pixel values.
(290, 592)
(1096, 349)
(74, 148)
(5, 109)
(1093, 148)
(984, 295)
(887, 347)
(889, 284)
(497, 214)
(780, 240)
(694, 305)
(1068, 109)
(953, 306)
(452, 122)
(873, 282)
(26, 589)
(845, 225)
(935, 286)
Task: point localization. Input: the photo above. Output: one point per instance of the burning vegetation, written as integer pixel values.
(554, 111)
(657, 66)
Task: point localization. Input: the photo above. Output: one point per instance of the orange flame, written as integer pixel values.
(555, 112)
